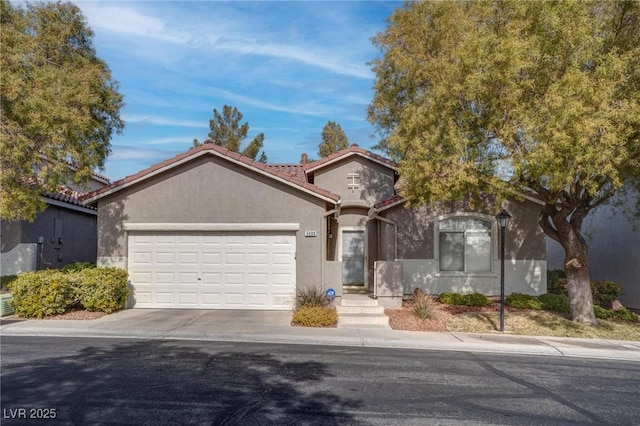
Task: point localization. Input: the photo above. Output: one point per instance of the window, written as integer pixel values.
(465, 244)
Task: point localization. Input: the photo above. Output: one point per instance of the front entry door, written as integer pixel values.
(353, 258)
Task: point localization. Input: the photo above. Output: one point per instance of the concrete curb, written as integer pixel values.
(284, 334)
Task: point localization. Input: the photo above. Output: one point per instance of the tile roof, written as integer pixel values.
(293, 169)
(389, 202)
(275, 171)
(352, 150)
(68, 196)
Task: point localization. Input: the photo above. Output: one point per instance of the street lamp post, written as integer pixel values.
(503, 221)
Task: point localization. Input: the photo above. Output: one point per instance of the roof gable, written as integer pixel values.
(346, 153)
(282, 175)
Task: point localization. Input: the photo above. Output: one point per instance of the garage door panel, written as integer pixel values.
(213, 270)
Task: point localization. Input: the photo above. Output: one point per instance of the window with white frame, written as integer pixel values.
(465, 244)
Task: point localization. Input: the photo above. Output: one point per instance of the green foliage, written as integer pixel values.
(4, 282)
(605, 292)
(473, 299)
(312, 296)
(557, 282)
(424, 306)
(103, 289)
(621, 314)
(522, 301)
(333, 139)
(554, 302)
(42, 293)
(78, 266)
(450, 298)
(57, 100)
(511, 94)
(226, 131)
(51, 292)
(315, 316)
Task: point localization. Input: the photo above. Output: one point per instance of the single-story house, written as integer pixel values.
(65, 232)
(614, 247)
(210, 228)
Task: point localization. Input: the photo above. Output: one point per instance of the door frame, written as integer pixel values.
(362, 229)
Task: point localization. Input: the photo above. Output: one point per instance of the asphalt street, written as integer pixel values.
(80, 380)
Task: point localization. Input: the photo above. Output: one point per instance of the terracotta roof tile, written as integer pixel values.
(396, 198)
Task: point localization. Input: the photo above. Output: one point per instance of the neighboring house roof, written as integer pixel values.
(278, 173)
(389, 202)
(293, 169)
(353, 150)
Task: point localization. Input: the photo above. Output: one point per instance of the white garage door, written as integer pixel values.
(248, 270)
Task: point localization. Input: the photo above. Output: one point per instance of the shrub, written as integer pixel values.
(313, 296)
(475, 299)
(557, 282)
(522, 301)
(41, 293)
(315, 316)
(78, 266)
(450, 298)
(102, 289)
(601, 312)
(554, 302)
(605, 292)
(424, 306)
(4, 282)
(624, 314)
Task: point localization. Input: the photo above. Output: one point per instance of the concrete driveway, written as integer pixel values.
(231, 321)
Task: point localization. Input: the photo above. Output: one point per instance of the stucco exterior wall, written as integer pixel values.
(58, 236)
(614, 249)
(211, 190)
(375, 182)
(525, 267)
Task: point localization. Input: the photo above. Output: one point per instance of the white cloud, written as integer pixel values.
(161, 121)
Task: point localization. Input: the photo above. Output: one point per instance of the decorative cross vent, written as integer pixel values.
(355, 181)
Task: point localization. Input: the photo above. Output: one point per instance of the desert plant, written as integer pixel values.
(557, 282)
(554, 302)
(315, 316)
(41, 293)
(423, 305)
(102, 289)
(522, 301)
(78, 266)
(605, 292)
(312, 296)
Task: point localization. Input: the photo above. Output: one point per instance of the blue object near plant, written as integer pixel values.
(331, 294)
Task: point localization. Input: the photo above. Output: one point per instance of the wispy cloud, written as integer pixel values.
(127, 153)
(162, 121)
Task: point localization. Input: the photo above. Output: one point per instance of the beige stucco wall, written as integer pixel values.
(210, 190)
(376, 180)
(525, 269)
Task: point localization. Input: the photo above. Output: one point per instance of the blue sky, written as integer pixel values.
(289, 67)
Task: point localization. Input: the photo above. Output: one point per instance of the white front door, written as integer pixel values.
(353, 258)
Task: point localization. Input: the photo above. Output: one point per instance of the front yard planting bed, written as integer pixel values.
(466, 319)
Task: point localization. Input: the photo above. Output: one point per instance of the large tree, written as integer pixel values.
(226, 131)
(510, 95)
(58, 104)
(333, 139)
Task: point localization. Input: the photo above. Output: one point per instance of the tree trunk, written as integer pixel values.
(578, 281)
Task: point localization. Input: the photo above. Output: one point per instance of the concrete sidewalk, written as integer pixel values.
(274, 327)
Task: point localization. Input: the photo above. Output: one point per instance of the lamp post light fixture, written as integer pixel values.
(503, 221)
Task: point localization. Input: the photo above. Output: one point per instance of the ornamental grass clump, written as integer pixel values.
(424, 306)
(313, 308)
